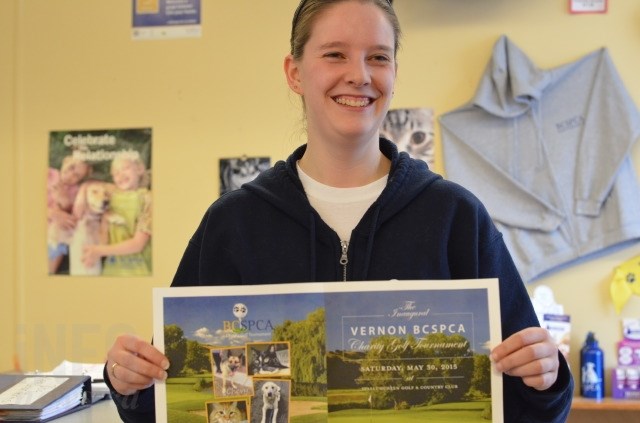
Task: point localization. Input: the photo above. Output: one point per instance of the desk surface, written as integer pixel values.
(103, 411)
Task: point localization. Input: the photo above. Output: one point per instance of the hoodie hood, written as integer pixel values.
(511, 82)
(281, 187)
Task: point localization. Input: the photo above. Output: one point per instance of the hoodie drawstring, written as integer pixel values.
(312, 248)
(372, 233)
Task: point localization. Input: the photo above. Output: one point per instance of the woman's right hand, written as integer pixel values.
(134, 364)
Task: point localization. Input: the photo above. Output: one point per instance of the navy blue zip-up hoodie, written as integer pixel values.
(421, 227)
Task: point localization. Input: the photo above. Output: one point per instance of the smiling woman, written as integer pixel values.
(347, 206)
(345, 74)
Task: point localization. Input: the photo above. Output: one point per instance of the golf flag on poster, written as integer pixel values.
(99, 196)
(330, 351)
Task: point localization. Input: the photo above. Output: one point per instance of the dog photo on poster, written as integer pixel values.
(99, 200)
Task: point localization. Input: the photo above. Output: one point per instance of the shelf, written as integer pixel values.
(580, 403)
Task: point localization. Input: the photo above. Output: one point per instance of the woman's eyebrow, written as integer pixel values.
(339, 44)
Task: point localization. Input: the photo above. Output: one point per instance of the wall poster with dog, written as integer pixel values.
(99, 200)
(334, 352)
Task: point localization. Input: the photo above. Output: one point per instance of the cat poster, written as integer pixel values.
(99, 197)
(236, 171)
(412, 131)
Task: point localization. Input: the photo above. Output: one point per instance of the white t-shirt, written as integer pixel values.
(341, 208)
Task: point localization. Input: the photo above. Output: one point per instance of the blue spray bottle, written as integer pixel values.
(591, 369)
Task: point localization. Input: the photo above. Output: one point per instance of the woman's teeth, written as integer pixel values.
(353, 102)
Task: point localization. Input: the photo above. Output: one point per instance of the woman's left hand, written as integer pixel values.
(530, 354)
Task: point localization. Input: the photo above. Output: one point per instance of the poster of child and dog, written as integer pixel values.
(99, 208)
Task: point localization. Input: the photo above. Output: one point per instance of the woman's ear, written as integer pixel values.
(292, 72)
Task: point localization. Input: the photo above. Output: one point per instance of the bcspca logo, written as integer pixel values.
(242, 325)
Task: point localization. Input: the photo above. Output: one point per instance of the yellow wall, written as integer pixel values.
(221, 95)
(7, 182)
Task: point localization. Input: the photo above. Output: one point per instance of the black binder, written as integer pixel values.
(41, 398)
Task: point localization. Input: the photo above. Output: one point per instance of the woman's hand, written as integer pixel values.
(134, 364)
(530, 354)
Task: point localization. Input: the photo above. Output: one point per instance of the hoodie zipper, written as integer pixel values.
(344, 245)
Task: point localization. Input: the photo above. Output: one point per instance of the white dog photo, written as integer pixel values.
(270, 403)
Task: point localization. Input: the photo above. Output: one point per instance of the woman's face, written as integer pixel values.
(347, 73)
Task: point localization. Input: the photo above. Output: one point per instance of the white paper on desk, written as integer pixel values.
(29, 390)
(79, 369)
(99, 389)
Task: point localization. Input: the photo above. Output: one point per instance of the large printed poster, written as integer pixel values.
(337, 352)
(99, 202)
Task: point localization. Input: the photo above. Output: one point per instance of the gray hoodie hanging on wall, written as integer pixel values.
(548, 152)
